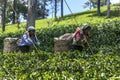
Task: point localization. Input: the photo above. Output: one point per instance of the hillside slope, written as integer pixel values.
(103, 64)
(89, 16)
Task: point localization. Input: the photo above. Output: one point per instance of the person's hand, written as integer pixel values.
(38, 43)
(74, 42)
(36, 37)
(18, 41)
(28, 34)
(30, 39)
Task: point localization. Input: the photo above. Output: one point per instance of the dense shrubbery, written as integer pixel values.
(59, 66)
(103, 35)
(47, 65)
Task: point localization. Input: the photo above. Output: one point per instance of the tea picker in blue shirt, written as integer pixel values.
(27, 40)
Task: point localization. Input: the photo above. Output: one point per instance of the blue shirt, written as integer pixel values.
(25, 40)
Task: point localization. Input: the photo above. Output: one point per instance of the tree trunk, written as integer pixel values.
(18, 22)
(98, 8)
(55, 14)
(31, 13)
(108, 8)
(4, 15)
(43, 15)
(14, 9)
(90, 4)
(105, 2)
(61, 8)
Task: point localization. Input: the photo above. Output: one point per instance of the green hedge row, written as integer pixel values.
(102, 35)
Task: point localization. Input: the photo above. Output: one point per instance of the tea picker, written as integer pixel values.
(79, 35)
(27, 40)
(80, 38)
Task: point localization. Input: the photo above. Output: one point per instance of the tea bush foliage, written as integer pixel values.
(103, 64)
(50, 65)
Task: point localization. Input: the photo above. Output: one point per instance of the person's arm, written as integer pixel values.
(74, 41)
(36, 38)
(85, 40)
(74, 38)
(35, 41)
(27, 39)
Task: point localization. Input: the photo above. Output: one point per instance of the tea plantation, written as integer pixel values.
(46, 64)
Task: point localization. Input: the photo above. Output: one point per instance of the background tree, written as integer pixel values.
(44, 4)
(42, 10)
(61, 8)
(16, 9)
(55, 14)
(4, 14)
(31, 12)
(95, 4)
(87, 4)
(98, 7)
(54, 8)
(108, 8)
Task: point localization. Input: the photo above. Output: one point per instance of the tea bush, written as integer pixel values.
(103, 35)
(59, 66)
(50, 65)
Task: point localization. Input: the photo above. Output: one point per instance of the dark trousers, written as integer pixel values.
(76, 47)
(24, 49)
